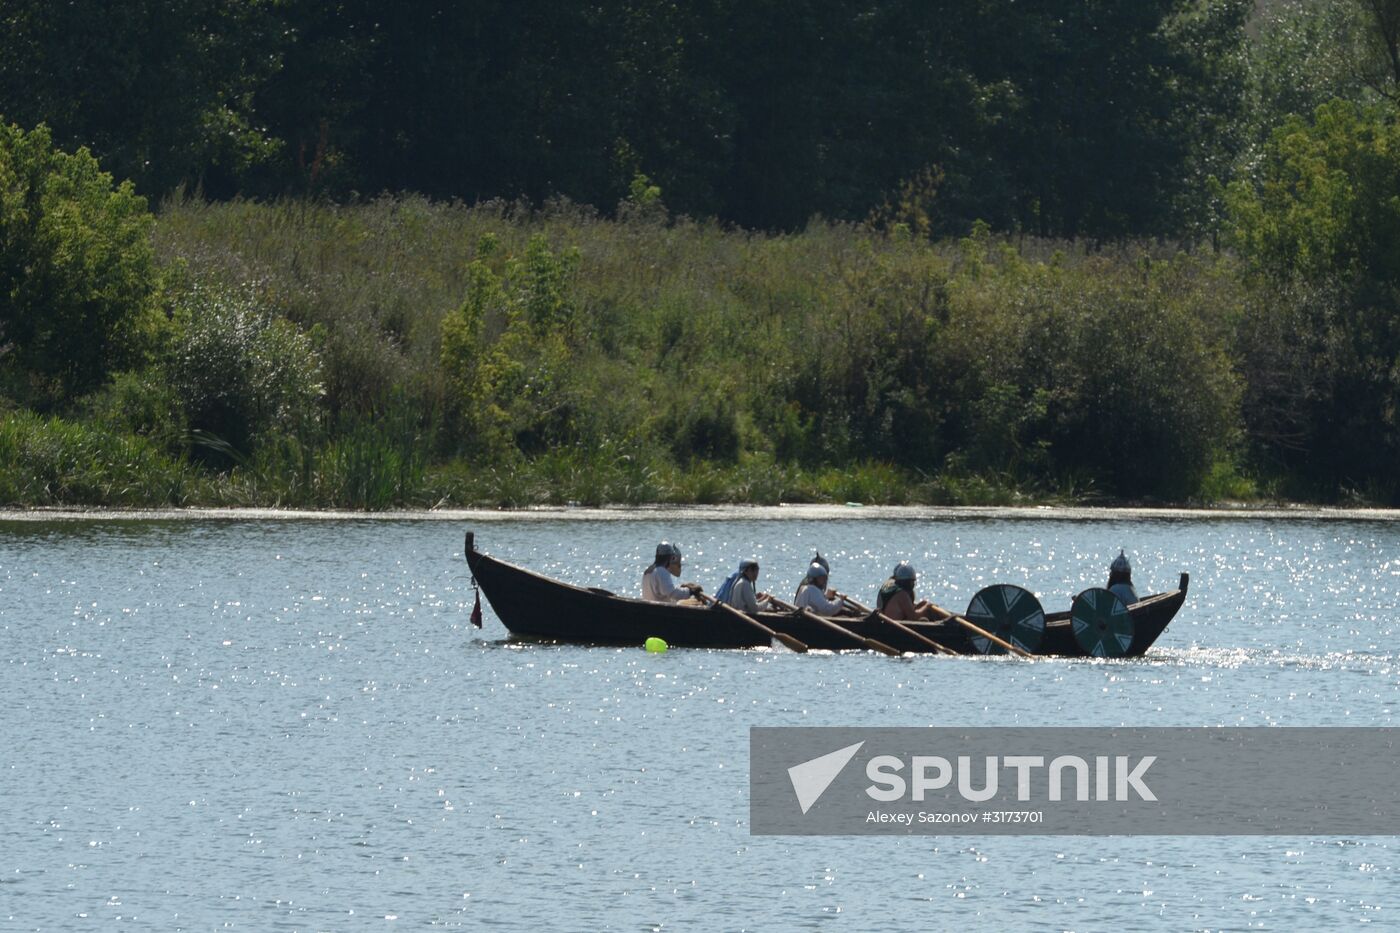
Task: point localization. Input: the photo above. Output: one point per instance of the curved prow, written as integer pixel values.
(1183, 585)
(471, 546)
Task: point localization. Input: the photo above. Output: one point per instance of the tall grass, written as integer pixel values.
(626, 361)
(48, 461)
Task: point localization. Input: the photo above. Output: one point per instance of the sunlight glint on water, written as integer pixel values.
(274, 724)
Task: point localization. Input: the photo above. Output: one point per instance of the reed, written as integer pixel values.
(49, 461)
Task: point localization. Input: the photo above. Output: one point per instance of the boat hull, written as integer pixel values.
(536, 607)
(533, 606)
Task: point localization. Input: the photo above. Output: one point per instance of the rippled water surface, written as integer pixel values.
(282, 724)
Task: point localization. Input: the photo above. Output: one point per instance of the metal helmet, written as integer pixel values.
(1121, 564)
(816, 571)
(666, 551)
(748, 563)
(818, 559)
(904, 571)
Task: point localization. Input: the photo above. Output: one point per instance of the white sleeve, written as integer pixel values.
(665, 586)
(815, 600)
(742, 596)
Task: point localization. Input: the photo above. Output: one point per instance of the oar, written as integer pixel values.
(978, 630)
(798, 646)
(871, 643)
(975, 629)
(917, 636)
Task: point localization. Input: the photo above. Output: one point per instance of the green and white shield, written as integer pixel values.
(1101, 623)
(1012, 613)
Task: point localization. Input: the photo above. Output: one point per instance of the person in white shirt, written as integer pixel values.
(1120, 579)
(817, 561)
(814, 595)
(659, 581)
(739, 590)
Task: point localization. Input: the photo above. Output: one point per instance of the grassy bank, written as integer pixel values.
(51, 462)
(410, 353)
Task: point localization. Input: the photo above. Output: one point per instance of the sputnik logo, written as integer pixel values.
(811, 778)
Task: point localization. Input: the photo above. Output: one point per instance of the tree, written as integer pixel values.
(77, 271)
(1113, 113)
(1304, 54)
(1322, 229)
(1064, 117)
(1381, 66)
(160, 92)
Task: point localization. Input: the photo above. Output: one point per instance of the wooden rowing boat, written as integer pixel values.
(536, 607)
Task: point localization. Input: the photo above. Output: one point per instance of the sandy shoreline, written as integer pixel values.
(713, 513)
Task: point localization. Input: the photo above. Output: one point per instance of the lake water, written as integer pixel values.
(269, 724)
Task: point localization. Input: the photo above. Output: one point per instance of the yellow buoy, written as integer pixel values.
(656, 645)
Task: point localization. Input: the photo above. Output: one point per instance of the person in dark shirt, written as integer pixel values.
(896, 596)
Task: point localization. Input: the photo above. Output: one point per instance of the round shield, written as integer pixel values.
(1009, 612)
(1101, 623)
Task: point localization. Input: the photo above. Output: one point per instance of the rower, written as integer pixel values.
(814, 595)
(817, 561)
(659, 581)
(739, 590)
(1120, 579)
(896, 596)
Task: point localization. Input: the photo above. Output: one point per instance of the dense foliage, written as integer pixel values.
(77, 276)
(1095, 118)
(560, 356)
(953, 251)
(1323, 234)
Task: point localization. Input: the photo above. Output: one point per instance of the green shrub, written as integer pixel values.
(1116, 372)
(77, 277)
(143, 403)
(243, 373)
(703, 426)
(508, 349)
(1321, 232)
